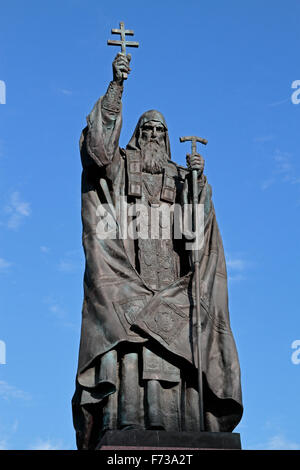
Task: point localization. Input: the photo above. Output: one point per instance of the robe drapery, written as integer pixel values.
(138, 359)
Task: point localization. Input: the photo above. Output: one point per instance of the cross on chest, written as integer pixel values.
(153, 186)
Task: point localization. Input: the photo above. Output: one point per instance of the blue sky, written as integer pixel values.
(221, 70)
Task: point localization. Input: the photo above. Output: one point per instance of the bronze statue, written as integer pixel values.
(138, 352)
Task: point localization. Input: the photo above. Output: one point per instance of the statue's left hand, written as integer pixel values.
(195, 162)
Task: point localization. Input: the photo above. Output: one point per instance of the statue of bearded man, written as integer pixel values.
(137, 365)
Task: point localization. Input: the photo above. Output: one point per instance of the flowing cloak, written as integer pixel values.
(120, 307)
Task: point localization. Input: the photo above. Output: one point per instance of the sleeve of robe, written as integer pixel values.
(99, 141)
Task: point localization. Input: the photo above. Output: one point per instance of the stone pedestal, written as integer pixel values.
(163, 440)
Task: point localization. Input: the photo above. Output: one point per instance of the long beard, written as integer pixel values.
(154, 157)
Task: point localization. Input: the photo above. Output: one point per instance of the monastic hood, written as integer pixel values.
(151, 115)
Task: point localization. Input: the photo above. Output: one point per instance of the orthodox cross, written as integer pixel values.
(122, 41)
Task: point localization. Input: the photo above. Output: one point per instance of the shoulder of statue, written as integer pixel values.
(171, 167)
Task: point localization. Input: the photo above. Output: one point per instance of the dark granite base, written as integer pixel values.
(139, 440)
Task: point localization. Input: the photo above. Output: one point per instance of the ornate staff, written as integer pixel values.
(196, 259)
(122, 41)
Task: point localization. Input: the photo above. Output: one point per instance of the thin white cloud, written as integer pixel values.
(17, 211)
(278, 442)
(237, 264)
(237, 277)
(263, 139)
(58, 311)
(284, 171)
(283, 163)
(236, 267)
(278, 103)
(71, 262)
(4, 265)
(1, 148)
(64, 91)
(15, 426)
(3, 444)
(47, 444)
(44, 249)
(7, 434)
(55, 308)
(267, 183)
(11, 392)
(67, 266)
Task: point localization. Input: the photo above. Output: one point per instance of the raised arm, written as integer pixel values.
(111, 102)
(101, 137)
